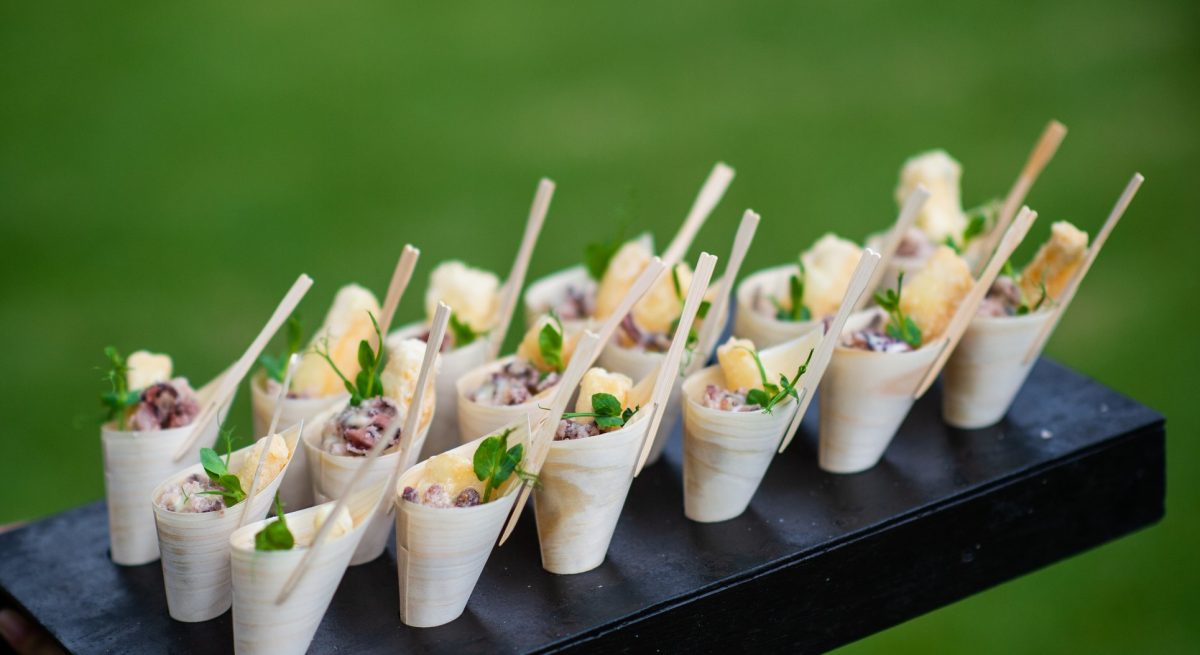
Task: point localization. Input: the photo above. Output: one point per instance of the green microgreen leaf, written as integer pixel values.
(276, 366)
(121, 397)
(368, 383)
(767, 400)
(462, 332)
(550, 342)
(275, 535)
(795, 311)
(606, 409)
(899, 326)
(494, 461)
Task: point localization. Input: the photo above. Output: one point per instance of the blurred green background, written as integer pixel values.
(166, 169)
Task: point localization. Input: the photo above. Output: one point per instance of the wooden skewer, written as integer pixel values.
(360, 473)
(640, 286)
(710, 194)
(1068, 294)
(408, 454)
(908, 214)
(293, 362)
(230, 381)
(516, 277)
(401, 276)
(860, 284)
(1047, 144)
(710, 330)
(539, 440)
(966, 310)
(668, 370)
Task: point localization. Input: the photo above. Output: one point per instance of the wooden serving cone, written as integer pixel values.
(440, 552)
(195, 546)
(706, 341)
(868, 394)
(543, 294)
(726, 454)
(260, 624)
(996, 354)
(584, 482)
(135, 462)
(476, 418)
(333, 474)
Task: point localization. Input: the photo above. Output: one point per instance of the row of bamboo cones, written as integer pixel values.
(278, 598)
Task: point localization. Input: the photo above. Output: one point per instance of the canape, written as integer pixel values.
(197, 509)
(891, 353)
(1004, 339)
(596, 450)
(265, 556)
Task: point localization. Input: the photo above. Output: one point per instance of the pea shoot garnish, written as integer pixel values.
(462, 331)
(275, 535)
(606, 409)
(495, 462)
(276, 367)
(701, 311)
(1023, 307)
(218, 471)
(121, 398)
(773, 394)
(900, 326)
(796, 311)
(550, 343)
(367, 384)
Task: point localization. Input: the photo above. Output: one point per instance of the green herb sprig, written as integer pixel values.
(597, 255)
(275, 535)
(978, 220)
(701, 311)
(606, 409)
(276, 367)
(773, 394)
(462, 331)
(121, 398)
(495, 462)
(1023, 306)
(367, 384)
(796, 311)
(550, 343)
(899, 326)
(218, 471)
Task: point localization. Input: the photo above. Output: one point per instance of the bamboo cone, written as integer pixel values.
(440, 552)
(584, 482)
(296, 489)
(330, 473)
(260, 625)
(766, 331)
(134, 462)
(992, 361)
(444, 431)
(195, 547)
(987, 369)
(726, 454)
(864, 398)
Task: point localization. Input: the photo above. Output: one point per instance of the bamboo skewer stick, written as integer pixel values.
(669, 369)
(412, 420)
(966, 310)
(710, 330)
(376, 450)
(232, 378)
(710, 194)
(516, 277)
(1068, 294)
(539, 440)
(401, 276)
(860, 284)
(293, 362)
(1047, 144)
(908, 215)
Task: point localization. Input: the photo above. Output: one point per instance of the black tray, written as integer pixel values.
(817, 561)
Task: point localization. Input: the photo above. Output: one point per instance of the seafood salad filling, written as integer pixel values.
(602, 406)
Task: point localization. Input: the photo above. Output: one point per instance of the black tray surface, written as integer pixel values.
(817, 561)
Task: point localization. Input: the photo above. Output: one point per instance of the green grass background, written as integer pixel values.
(166, 169)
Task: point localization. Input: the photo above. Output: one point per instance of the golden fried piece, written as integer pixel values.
(659, 308)
(828, 264)
(738, 365)
(942, 214)
(933, 294)
(347, 323)
(622, 272)
(598, 380)
(1055, 262)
